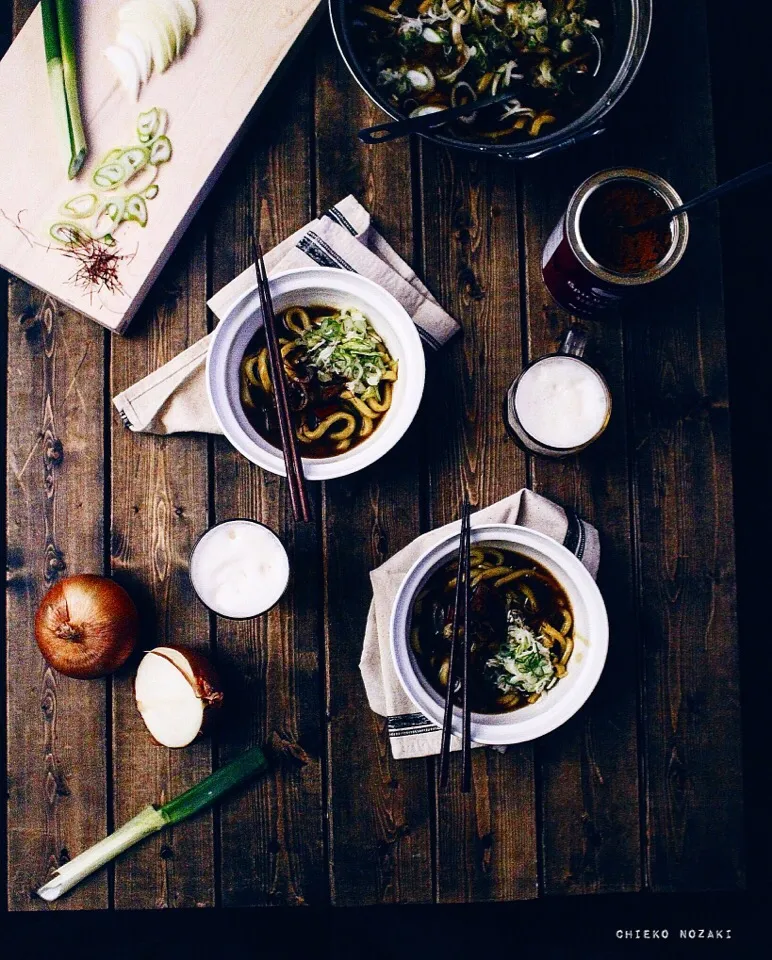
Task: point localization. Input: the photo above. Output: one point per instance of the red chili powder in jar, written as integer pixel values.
(623, 203)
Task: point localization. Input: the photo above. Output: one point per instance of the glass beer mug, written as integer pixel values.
(560, 403)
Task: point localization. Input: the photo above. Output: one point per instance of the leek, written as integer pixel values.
(152, 819)
(55, 71)
(59, 38)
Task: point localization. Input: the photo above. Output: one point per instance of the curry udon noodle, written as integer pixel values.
(429, 55)
(340, 378)
(520, 626)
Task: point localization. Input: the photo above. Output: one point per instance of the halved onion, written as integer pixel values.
(176, 691)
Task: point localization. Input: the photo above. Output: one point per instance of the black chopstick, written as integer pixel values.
(460, 616)
(466, 716)
(295, 477)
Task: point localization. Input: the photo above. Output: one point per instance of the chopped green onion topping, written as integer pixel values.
(346, 346)
(522, 664)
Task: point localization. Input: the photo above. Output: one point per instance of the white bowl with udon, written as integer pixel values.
(310, 289)
(589, 635)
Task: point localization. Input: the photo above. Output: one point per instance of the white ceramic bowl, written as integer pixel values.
(316, 287)
(584, 667)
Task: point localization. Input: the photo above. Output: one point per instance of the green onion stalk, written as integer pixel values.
(61, 58)
(152, 819)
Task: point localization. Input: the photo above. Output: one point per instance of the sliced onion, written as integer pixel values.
(460, 88)
(171, 13)
(421, 79)
(144, 19)
(431, 36)
(491, 7)
(189, 13)
(455, 74)
(426, 109)
(127, 68)
(141, 52)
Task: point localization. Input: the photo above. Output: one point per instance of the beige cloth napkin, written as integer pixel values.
(173, 399)
(411, 734)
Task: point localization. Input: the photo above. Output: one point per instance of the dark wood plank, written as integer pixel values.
(271, 836)
(56, 726)
(379, 823)
(589, 766)
(676, 360)
(159, 509)
(486, 841)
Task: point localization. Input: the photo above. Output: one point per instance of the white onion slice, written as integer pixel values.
(127, 69)
(189, 13)
(141, 52)
(169, 10)
(145, 18)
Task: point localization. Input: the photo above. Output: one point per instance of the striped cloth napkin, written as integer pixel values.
(411, 734)
(173, 399)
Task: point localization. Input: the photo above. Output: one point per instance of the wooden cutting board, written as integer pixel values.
(208, 93)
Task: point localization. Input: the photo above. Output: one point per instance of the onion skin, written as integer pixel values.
(86, 626)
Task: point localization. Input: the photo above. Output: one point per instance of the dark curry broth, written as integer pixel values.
(432, 618)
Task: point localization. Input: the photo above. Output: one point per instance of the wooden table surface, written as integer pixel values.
(641, 790)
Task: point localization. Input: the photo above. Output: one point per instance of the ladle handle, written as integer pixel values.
(384, 132)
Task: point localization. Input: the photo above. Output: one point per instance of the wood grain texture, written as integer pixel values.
(676, 362)
(379, 834)
(271, 836)
(209, 93)
(590, 765)
(55, 726)
(486, 841)
(159, 507)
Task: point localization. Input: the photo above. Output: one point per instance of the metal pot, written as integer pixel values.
(624, 46)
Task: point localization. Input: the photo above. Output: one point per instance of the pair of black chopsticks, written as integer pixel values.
(459, 648)
(295, 478)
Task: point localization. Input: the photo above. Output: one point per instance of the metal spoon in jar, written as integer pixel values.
(750, 176)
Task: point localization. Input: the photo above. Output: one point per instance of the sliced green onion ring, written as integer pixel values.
(110, 175)
(81, 206)
(161, 150)
(69, 233)
(136, 209)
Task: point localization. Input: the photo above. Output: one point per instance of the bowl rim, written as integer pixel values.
(484, 730)
(358, 458)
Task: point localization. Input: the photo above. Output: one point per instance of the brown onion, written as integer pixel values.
(86, 626)
(177, 692)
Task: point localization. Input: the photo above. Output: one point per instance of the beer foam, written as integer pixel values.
(561, 402)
